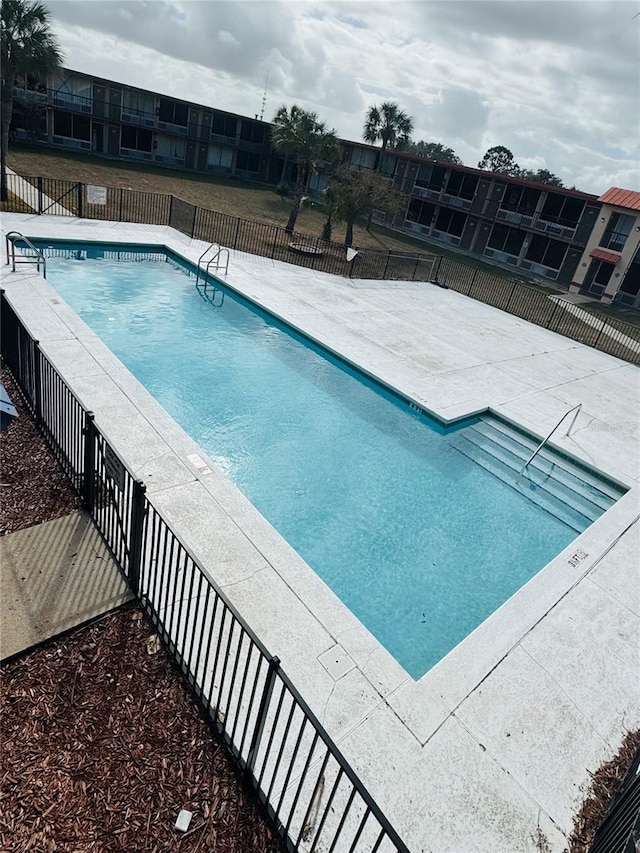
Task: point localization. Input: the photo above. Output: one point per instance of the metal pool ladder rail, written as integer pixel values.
(219, 259)
(37, 258)
(575, 409)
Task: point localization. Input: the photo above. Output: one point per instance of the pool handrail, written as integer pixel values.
(38, 257)
(575, 409)
(216, 258)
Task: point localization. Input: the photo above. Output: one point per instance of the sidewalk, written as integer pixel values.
(53, 577)
(27, 193)
(590, 319)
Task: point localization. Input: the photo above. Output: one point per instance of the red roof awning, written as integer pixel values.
(601, 255)
(621, 198)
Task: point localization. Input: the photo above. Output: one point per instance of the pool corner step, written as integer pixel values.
(547, 482)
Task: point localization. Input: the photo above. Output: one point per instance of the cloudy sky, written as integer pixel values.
(556, 81)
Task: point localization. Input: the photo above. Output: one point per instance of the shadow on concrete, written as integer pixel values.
(54, 576)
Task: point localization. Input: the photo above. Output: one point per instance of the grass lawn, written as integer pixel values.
(257, 202)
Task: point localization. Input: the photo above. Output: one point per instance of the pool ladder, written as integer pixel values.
(219, 260)
(37, 258)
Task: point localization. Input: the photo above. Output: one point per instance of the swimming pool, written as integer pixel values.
(421, 530)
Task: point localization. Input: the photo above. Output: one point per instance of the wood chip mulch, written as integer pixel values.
(33, 486)
(102, 747)
(604, 784)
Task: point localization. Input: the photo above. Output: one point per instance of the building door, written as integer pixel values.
(597, 277)
(202, 157)
(114, 140)
(99, 98)
(98, 137)
(115, 102)
(190, 158)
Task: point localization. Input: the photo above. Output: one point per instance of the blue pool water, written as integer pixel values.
(418, 540)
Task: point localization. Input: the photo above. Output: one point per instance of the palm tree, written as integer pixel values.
(28, 47)
(299, 135)
(389, 124)
(285, 121)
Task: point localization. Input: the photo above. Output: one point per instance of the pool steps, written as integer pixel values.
(556, 484)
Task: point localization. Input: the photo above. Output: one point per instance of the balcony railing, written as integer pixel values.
(614, 240)
(427, 192)
(69, 101)
(513, 217)
(456, 201)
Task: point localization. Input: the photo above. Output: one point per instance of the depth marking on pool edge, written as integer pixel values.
(199, 463)
(575, 559)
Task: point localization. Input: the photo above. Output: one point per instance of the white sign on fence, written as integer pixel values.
(96, 195)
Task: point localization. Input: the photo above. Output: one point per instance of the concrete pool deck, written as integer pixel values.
(492, 749)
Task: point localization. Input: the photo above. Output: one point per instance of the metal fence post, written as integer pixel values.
(235, 239)
(386, 266)
(89, 484)
(473, 279)
(121, 204)
(138, 512)
(80, 188)
(274, 665)
(415, 269)
(37, 382)
(39, 195)
(171, 209)
(437, 272)
(553, 313)
(605, 322)
(193, 224)
(513, 290)
(275, 240)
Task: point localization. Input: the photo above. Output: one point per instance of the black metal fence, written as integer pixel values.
(69, 198)
(619, 831)
(548, 310)
(309, 790)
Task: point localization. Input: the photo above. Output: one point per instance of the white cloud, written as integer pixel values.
(557, 82)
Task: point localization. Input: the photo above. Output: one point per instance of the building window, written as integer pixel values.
(451, 221)
(169, 146)
(543, 250)
(136, 138)
(618, 229)
(251, 131)
(563, 210)
(602, 273)
(462, 185)
(224, 125)
(630, 287)
(71, 125)
(138, 102)
(431, 177)
(388, 164)
(173, 113)
(519, 199)
(420, 211)
(506, 239)
(246, 161)
(363, 158)
(218, 157)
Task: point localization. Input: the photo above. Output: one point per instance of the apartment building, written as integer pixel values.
(91, 114)
(536, 228)
(609, 269)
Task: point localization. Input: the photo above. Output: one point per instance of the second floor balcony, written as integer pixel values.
(614, 240)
